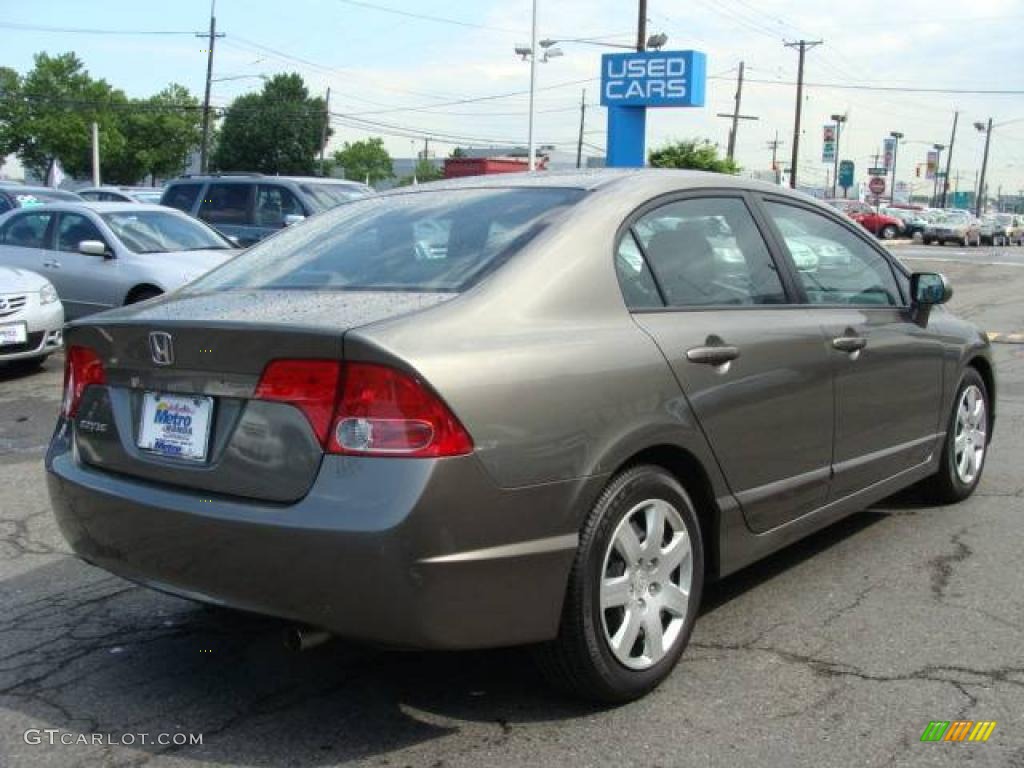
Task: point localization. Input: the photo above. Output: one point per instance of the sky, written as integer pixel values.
(387, 63)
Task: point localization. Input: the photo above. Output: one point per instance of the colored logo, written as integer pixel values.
(958, 730)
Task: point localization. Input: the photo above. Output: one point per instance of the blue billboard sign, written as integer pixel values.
(653, 79)
(632, 82)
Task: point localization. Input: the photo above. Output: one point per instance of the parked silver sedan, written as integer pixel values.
(103, 255)
(552, 426)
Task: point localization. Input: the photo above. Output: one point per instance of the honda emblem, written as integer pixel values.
(161, 347)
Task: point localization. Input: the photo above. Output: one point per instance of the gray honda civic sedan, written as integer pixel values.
(529, 409)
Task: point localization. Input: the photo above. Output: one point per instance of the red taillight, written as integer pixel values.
(366, 409)
(385, 412)
(82, 367)
(309, 385)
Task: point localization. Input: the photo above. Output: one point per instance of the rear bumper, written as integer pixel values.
(417, 553)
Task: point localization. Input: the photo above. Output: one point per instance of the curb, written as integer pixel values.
(1005, 338)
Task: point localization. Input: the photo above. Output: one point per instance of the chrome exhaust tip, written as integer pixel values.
(298, 639)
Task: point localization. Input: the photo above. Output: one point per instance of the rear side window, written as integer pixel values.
(441, 241)
(273, 204)
(91, 195)
(181, 196)
(833, 264)
(226, 204)
(638, 286)
(709, 252)
(27, 231)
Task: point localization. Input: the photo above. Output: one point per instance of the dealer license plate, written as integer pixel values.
(176, 426)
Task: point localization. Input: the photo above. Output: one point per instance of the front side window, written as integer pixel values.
(226, 204)
(27, 230)
(709, 252)
(833, 264)
(181, 196)
(440, 241)
(160, 232)
(73, 229)
(273, 204)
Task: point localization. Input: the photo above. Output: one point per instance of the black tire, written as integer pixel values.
(946, 486)
(888, 232)
(142, 294)
(927, 241)
(580, 660)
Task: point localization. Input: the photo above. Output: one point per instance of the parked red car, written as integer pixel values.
(878, 224)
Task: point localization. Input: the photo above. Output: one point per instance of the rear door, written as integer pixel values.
(25, 241)
(752, 361)
(887, 363)
(228, 208)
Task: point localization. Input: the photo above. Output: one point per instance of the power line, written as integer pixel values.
(90, 31)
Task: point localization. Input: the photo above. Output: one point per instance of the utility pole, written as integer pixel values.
(735, 115)
(204, 148)
(641, 25)
(949, 162)
(323, 133)
(980, 204)
(583, 119)
(935, 187)
(774, 147)
(896, 135)
(802, 46)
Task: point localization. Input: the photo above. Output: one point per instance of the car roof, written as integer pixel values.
(260, 178)
(98, 207)
(15, 187)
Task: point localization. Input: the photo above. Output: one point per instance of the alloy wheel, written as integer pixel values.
(645, 584)
(971, 433)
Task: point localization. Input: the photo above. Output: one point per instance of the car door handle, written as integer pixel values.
(717, 355)
(849, 343)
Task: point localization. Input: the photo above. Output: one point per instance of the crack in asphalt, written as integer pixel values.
(942, 565)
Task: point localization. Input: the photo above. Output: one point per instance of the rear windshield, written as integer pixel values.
(439, 241)
(327, 196)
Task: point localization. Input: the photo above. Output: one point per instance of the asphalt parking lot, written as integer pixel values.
(837, 651)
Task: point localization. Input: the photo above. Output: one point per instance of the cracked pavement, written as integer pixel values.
(837, 651)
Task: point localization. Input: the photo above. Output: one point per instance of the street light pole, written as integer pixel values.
(979, 204)
(531, 165)
(896, 135)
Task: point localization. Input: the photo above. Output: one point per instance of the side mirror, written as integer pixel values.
(929, 288)
(94, 248)
(293, 218)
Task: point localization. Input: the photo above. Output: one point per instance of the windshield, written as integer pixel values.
(160, 232)
(439, 241)
(327, 196)
(147, 196)
(30, 198)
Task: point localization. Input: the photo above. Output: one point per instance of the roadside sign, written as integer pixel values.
(889, 152)
(877, 185)
(846, 168)
(878, 172)
(653, 79)
(828, 146)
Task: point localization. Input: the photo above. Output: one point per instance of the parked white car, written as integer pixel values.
(31, 316)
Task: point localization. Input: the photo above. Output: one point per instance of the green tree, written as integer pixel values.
(362, 160)
(47, 115)
(159, 132)
(278, 130)
(424, 171)
(696, 154)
